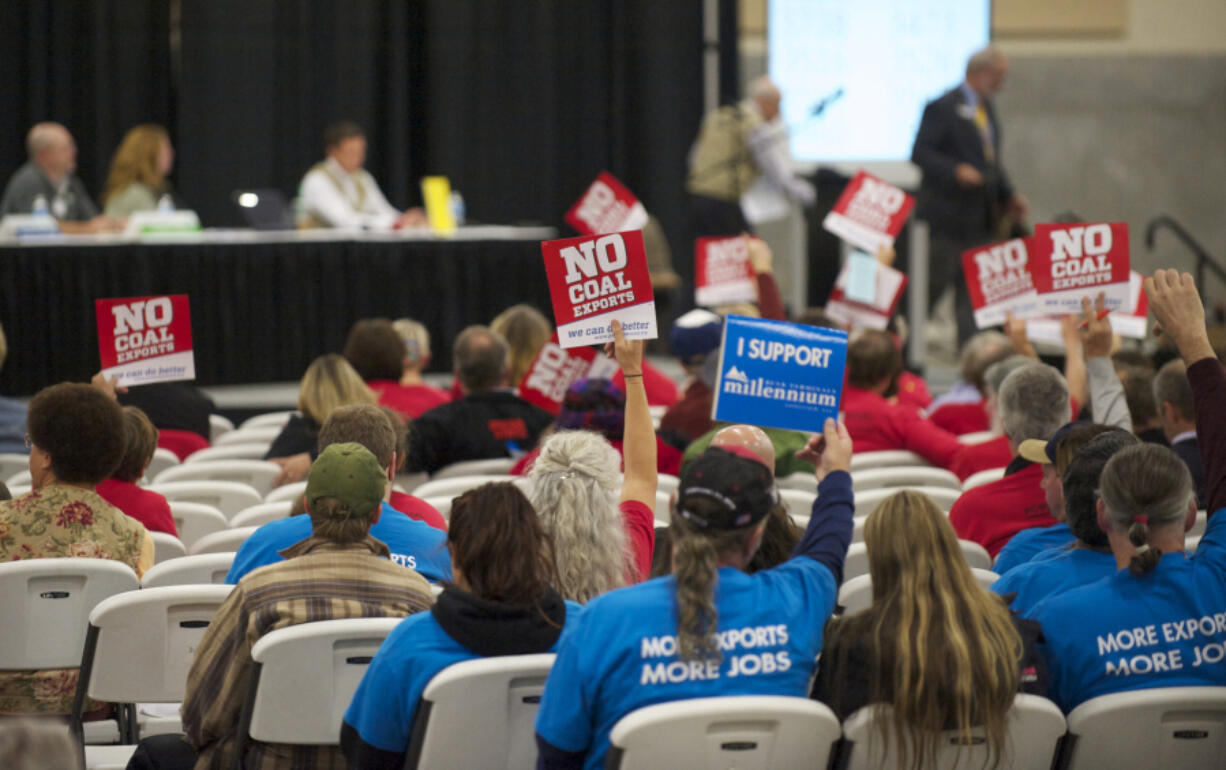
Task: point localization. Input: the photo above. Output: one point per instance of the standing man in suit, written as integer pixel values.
(965, 195)
(1177, 411)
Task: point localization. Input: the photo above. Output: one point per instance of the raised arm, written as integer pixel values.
(1107, 402)
(830, 526)
(1181, 314)
(762, 260)
(1074, 363)
(639, 440)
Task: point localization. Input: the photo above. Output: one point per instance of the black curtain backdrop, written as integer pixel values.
(98, 67)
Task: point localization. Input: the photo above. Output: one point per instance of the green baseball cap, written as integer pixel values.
(350, 473)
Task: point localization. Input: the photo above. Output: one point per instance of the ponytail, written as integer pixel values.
(696, 557)
(1146, 557)
(1143, 484)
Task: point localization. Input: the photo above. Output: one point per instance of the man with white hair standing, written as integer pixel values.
(735, 146)
(49, 175)
(965, 193)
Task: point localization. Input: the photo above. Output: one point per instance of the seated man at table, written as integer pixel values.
(489, 421)
(339, 192)
(49, 175)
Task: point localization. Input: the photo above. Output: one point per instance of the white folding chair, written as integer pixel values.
(799, 504)
(18, 490)
(867, 501)
(166, 547)
(983, 477)
(978, 437)
(442, 504)
(20, 479)
(195, 520)
(229, 497)
(218, 427)
(495, 466)
(1198, 529)
(456, 485)
(887, 458)
(907, 476)
(225, 541)
(257, 474)
(857, 529)
(259, 435)
(162, 459)
(291, 492)
(259, 515)
(46, 605)
(1033, 726)
(138, 648)
(805, 482)
(201, 569)
(742, 731)
(1175, 727)
(246, 450)
(496, 698)
(667, 483)
(11, 463)
(856, 593)
(661, 509)
(976, 555)
(1190, 543)
(303, 679)
(269, 419)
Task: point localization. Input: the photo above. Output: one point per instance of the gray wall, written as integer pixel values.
(1123, 138)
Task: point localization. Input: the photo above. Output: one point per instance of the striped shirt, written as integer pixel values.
(320, 580)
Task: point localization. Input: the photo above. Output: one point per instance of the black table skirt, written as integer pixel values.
(260, 311)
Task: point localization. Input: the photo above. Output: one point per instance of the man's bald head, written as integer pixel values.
(764, 91)
(52, 149)
(748, 437)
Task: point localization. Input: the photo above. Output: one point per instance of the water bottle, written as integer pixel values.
(166, 203)
(457, 207)
(40, 206)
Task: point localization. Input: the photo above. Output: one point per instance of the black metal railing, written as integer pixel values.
(1203, 258)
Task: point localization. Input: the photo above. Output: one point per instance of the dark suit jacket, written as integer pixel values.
(1189, 451)
(948, 136)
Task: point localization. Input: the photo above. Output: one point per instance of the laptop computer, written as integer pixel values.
(265, 209)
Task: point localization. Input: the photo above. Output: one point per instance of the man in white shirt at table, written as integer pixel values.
(339, 192)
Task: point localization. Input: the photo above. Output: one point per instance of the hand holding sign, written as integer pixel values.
(145, 339)
(627, 353)
(1097, 339)
(830, 450)
(723, 272)
(594, 279)
(1180, 313)
(1070, 260)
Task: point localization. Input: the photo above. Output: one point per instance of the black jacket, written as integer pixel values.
(477, 427)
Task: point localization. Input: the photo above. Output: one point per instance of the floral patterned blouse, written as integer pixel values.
(60, 521)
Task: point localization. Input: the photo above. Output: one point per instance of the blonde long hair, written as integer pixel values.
(526, 330)
(330, 382)
(136, 160)
(574, 490)
(945, 649)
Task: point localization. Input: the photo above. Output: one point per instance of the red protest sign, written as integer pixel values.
(870, 213)
(606, 207)
(555, 369)
(146, 339)
(722, 273)
(595, 279)
(888, 286)
(1071, 261)
(999, 281)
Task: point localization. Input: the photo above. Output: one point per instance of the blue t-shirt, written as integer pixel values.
(385, 703)
(622, 654)
(1164, 629)
(413, 544)
(1029, 543)
(1037, 579)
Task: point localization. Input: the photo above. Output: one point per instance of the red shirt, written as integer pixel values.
(661, 390)
(994, 452)
(640, 525)
(962, 418)
(416, 508)
(691, 416)
(144, 505)
(668, 459)
(181, 442)
(913, 391)
(409, 400)
(993, 513)
(875, 425)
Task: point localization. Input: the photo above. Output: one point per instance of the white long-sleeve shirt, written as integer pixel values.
(339, 199)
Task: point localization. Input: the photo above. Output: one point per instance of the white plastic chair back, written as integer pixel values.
(46, 603)
(857, 529)
(226, 541)
(985, 577)
(887, 458)
(1198, 529)
(456, 485)
(856, 593)
(162, 459)
(867, 501)
(983, 477)
(200, 569)
(229, 497)
(799, 503)
(307, 676)
(978, 437)
(1033, 727)
(441, 504)
(20, 479)
(13, 462)
(243, 450)
(667, 483)
(195, 520)
(166, 547)
(257, 474)
(805, 482)
(496, 698)
(259, 515)
(1190, 543)
(258, 435)
(495, 466)
(291, 492)
(146, 639)
(218, 427)
(747, 732)
(1175, 727)
(882, 478)
(661, 510)
(268, 419)
(18, 490)
(976, 555)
